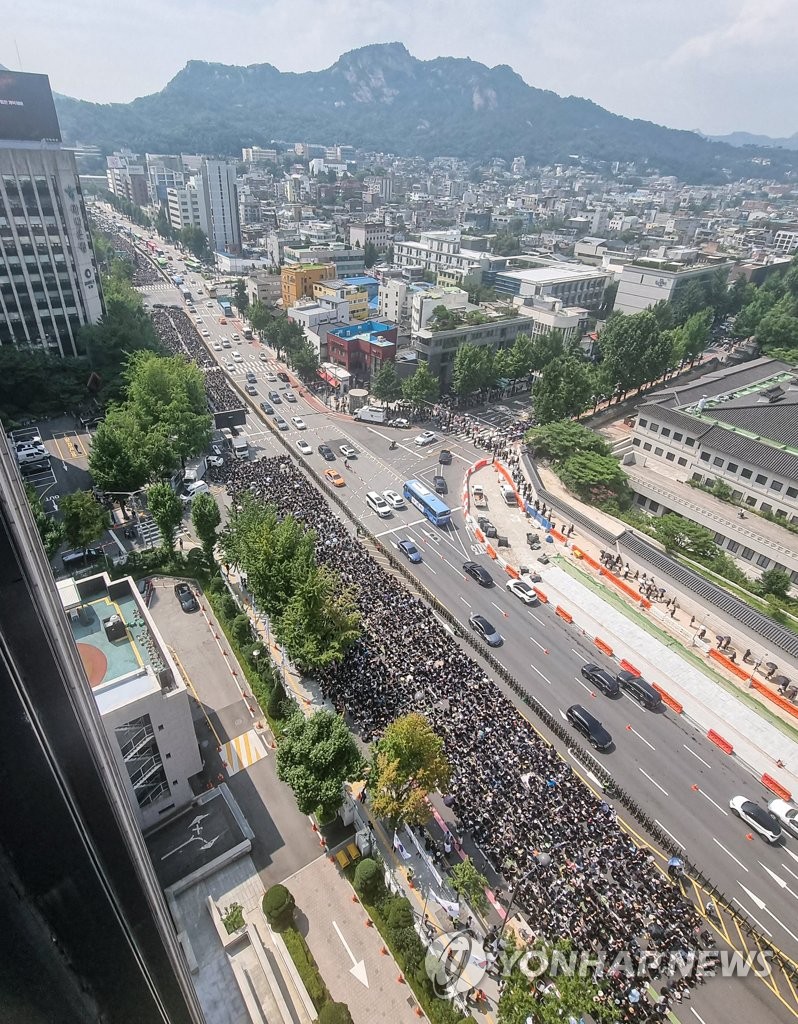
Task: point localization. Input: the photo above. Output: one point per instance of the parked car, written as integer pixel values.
(642, 691)
(787, 814)
(299, 423)
(476, 572)
(185, 596)
(410, 551)
(275, 397)
(486, 630)
(289, 396)
(760, 819)
(522, 590)
(251, 389)
(268, 409)
(282, 424)
(283, 376)
(424, 439)
(304, 447)
(347, 451)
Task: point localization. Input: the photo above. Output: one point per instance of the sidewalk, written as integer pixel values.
(756, 741)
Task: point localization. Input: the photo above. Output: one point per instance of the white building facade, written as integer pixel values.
(218, 206)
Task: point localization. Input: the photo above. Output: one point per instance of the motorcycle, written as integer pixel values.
(393, 446)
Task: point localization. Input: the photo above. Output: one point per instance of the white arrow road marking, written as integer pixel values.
(643, 739)
(789, 872)
(789, 852)
(358, 968)
(761, 904)
(714, 840)
(652, 781)
(701, 759)
(779, 881)
(721, 809)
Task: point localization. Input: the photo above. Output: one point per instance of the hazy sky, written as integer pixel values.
(717, 65)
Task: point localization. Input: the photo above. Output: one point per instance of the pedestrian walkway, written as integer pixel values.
(243, 751)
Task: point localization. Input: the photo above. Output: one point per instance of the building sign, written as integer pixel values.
(27, 111)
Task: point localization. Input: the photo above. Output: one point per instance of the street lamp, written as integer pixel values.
(542, 860)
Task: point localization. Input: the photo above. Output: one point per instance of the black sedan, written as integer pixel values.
(601, 679)
(268, 409)
(476, 572)
(486, 630)
(410, 551)
(445, 457)
(185, 596)
(326, 452)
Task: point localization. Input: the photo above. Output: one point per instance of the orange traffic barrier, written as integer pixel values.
(774, 698)
(603, 647)
(491, 551)
(719, 741)
(512, 572)
(628, 667)
(729, 665)
(563, 614)
(672, 702)
(776, 787)
(479, 535)
(480, 465)
(541, 596)
(558, 536)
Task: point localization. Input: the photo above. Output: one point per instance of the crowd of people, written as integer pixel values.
(511, 792)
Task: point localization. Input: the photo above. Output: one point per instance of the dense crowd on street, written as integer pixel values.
(511, 793)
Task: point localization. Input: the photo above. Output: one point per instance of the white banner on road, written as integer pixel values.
(399, 847)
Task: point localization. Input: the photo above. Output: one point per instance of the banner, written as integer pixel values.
(452, 909)
(399, 847)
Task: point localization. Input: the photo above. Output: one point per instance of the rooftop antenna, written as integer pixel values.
(19, 59)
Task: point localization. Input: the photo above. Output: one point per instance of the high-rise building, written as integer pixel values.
(85, 934)
(183, 207)
(218, 205)
(49, 285)
(163, 172)
(127, 177)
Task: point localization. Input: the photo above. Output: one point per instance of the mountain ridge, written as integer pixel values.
(751, 139)
(380, 97)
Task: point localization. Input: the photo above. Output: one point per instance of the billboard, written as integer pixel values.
(27, 111)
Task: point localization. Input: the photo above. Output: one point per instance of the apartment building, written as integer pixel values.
(786, 241)
(314, 316)
(438, 347)
(218, 206)
(49, 283)
(163, 172)
(362, 348)
(369, 232)
(357, 298)
(441, 252)
(182, 204)
(347, 260)
(549, 316)
(425, 300)
(126, 176)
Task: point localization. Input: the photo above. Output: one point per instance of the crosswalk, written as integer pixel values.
(151, 535)
(157, 286)
(245, 750)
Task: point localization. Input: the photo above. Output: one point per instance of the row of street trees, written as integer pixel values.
(312, 614)
(287, 337)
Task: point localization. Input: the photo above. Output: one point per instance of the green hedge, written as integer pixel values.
(307, 968)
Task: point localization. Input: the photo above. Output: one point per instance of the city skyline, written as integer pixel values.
(689, 67)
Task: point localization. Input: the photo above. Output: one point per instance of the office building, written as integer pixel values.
(356, 296)
(218, 206)
(786, 241)
(327, 312)
(573, 283)
(426, 300)
(369, 233)
(297, 280)
(49, 284)
(438, 347)
(163, 172)
(362, 348)
(127, 177)
(183, 206)
(347, 260)
(645, 282)
(256, 155)
(549, 316)
(85, 934)
(441, 252)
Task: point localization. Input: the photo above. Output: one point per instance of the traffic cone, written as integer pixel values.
(383, 951)
(750, 836)
(400, 978)
(694, 788)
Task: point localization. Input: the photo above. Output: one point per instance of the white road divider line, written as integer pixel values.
(537, 618)
(545, 680)
(725, 850)
(706, 797)
(691, 751)
(643, 739)
(748, 913)
(537, 644)
(779, 880)
(652, 781)
(673, 837)
(464, 601)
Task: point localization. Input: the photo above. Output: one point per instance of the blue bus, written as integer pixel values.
(426, 501)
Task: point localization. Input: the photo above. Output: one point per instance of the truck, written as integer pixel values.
(247, 332)
(195, 469)
(371, 414)
(226, 307)
(185, 292)
(240, 447)
(177, 279)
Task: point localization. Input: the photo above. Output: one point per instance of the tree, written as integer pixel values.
(205, 516)
(506, 244)
(368, 881)
(473, 369)
(163, 225)
(385, 384)
(335, 1013)
(469, 883)
(679, 534)
(777, 330)
(389, 255)
(305, 361)
(50, 529)
(407, 765)
(521, 357)
(692, 337)
(278, 907)
(166, 394)
(116, 459)
(593, 477)
(260, 316)
(320, 622)
(544, 349)
(776, 582)
(370, 254)
(84, 519)
(422, 387)
(167, 511)
(315, 757)
(196, 241)
(563, 438)
(625, 345)
(240, 297)
(562, 390)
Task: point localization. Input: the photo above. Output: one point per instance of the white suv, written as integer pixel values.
(378, 504)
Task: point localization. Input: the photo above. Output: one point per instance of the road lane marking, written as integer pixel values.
(534, 641)
(498, 609)
(748, 913)
(673, 837)
(580, 656)
(583, 684)
(538, 618)
(790, 872)
(534, 669)
(643, 739)
(464, 601)
(763, 906)
(587, 772)
(691, 751)
(653, 781)
(706, 797)
(698, 1015)
(725, 850)
(778, 880)
(429, 567)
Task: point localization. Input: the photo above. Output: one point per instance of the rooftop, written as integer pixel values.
(552, 274)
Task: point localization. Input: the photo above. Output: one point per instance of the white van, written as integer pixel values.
(378, 504)
(191, 491)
